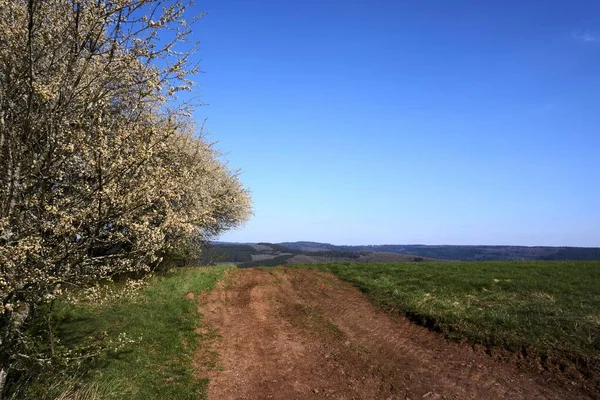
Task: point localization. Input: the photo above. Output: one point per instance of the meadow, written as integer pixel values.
(158, 364)
(548, 309)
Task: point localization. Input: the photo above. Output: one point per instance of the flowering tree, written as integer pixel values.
(101, 167)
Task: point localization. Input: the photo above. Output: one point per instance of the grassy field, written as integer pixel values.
(159, 365)
(551, 309)
(548, 309)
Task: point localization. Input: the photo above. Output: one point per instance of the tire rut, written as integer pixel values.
(288, 333)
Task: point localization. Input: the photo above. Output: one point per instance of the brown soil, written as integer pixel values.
(303, 334)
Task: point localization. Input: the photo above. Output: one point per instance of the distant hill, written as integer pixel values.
(465, 253)
(272, 254)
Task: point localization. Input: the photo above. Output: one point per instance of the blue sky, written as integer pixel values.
(436, 122)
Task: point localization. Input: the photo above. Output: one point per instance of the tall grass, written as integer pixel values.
(159, 364)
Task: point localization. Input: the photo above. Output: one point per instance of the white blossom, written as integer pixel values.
(99, 173)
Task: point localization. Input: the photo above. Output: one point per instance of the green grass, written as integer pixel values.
(551, 309)
(163, 323)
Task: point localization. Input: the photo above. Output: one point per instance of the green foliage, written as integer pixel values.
(550, 308)
(159, 365)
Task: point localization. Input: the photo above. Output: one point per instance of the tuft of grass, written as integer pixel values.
(164, 325)
(548, 308)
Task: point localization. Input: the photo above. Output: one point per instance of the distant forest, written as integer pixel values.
(271, 254)
(469, 253)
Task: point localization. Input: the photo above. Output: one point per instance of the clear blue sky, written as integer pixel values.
(436, 122)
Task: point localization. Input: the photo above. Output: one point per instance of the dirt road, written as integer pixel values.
(302, 334)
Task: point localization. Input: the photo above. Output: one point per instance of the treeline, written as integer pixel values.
(337, 254)
(241, 254)
(464, 253)
(272, 262)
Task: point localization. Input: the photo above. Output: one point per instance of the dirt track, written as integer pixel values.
(302, 334)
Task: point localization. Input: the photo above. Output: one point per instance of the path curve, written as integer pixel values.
(291, 333)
